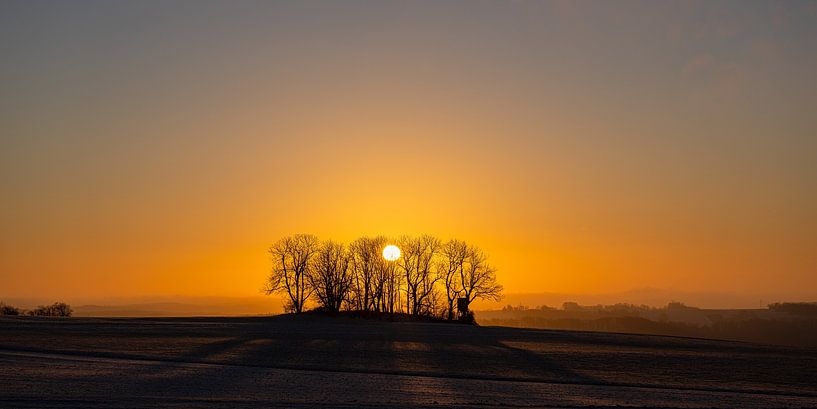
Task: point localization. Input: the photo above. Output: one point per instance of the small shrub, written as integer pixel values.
(58, 309)
(6, 309)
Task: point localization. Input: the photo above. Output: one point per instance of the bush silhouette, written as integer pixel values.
(58, 309)
(6, 309)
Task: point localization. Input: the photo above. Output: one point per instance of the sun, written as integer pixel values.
(391, 252)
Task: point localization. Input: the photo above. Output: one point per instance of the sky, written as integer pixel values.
(158, 148)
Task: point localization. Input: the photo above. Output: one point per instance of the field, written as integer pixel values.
(322, 361)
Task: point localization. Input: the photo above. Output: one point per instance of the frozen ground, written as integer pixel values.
(319, 361)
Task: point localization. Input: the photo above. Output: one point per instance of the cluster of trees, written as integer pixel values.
(795, 308)
(58, 309)
(6, 309)
(427, 279)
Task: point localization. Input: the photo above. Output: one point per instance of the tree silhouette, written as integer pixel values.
(390, 283)
(291, 258)
(367, 263)
(58, 309)
(416, 264)
(359, 278)
(6, 309)
(478, 278)
(453, 255)
(330, 275)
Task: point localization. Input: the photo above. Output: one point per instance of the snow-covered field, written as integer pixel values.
(319, 361)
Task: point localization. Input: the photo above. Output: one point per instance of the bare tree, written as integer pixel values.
(452, 262)
(429, 299)
(291, 258)
(478, 278)
(382, 295)
(330, 275)
(6, 309)
(407, 265)
(417, 265)
(425, 293)
(367, 266)
(391, 282)
(58, 309)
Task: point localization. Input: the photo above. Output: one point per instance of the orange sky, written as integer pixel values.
(158, 149)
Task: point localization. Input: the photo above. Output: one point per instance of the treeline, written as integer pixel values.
(575, 310)
(427, 278)
(58, 309)
(808, 309)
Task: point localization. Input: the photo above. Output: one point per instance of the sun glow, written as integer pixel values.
(391, 252)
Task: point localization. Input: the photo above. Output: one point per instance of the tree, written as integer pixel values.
(416, 264)
(390, 283)
(6, 309)
(367, 265)
(478, 278)
(453, 255)
(291, 258)
(58, 309)
(330, 275)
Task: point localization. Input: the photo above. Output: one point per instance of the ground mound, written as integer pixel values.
(371, 316)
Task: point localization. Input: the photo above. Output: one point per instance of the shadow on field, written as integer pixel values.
(439, 353)
(327, 345)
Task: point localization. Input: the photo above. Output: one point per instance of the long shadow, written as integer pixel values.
(458, 355)
(174, 378)
(276, 346)
(487, 355)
